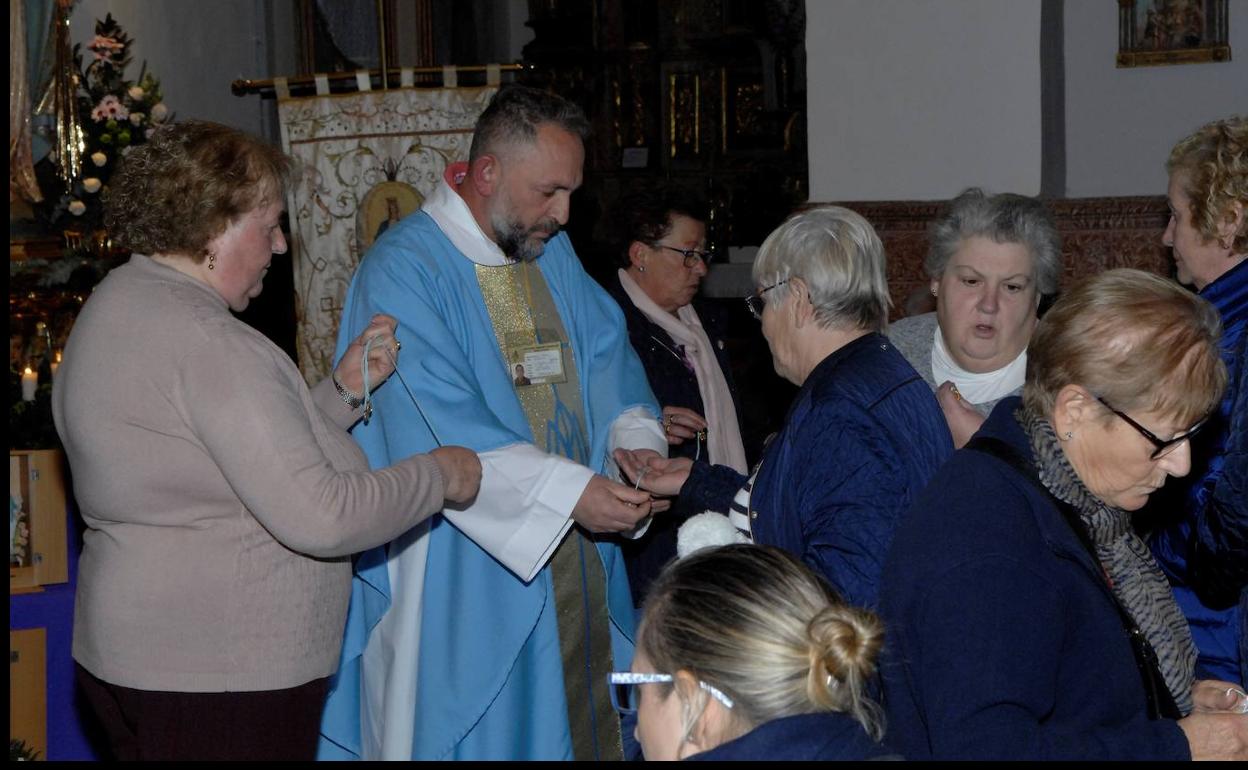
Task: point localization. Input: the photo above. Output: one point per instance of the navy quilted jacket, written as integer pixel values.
(861, 440)
(1204, 550)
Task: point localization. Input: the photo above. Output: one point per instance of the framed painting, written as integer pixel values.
(1152, 32)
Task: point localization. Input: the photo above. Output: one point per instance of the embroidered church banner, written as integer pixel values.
(364, 160)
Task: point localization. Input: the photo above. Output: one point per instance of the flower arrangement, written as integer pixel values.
(116, 114)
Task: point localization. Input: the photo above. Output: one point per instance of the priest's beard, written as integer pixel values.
(520, 243)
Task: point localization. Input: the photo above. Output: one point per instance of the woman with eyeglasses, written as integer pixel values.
(745, 654)
(1027, 620)
(864, 434)
(660, 241)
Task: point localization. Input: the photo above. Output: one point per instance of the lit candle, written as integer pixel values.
(29, 382)
(56, 365)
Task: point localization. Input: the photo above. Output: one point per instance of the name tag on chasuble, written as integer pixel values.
(531, 335)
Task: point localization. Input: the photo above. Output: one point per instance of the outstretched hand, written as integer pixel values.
(659, 475)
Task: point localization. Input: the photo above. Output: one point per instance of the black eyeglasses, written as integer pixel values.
(1163, 447)
(755, 301)
(692, 256)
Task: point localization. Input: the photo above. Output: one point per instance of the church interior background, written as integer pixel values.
(762, 107)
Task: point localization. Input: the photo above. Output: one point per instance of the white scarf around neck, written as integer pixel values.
(976, 387)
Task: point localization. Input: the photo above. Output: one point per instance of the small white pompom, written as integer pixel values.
(706, 530)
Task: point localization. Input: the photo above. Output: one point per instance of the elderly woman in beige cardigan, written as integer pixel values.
(222, 497)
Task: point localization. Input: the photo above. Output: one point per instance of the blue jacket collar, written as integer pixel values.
(1229, 294)
(824, 735)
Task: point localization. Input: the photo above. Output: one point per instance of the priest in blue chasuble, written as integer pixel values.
(489, 632)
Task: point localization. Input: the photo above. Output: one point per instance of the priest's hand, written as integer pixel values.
(383, 355)
(606, 506)
(461, 472)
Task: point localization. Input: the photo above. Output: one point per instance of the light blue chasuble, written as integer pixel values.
(490, 678)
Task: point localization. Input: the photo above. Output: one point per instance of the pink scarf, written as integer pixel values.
(723, 436)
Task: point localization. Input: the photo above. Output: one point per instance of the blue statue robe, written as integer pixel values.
(489, 677)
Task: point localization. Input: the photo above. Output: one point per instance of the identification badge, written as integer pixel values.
(537, 364)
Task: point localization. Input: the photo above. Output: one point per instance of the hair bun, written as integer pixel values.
(845, 643)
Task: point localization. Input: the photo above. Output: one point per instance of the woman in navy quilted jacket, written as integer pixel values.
(864, 434)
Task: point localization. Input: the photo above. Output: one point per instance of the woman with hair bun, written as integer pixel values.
(745, 654)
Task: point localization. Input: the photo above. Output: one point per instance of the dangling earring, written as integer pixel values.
(212, 259)
(933, 291)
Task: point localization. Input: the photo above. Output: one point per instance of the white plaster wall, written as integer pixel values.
(196, 48)
(912, 99)
(1121, 123)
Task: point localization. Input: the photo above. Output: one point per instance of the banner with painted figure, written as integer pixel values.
(364, 161)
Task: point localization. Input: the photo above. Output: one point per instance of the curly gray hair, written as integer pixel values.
(1003, 218)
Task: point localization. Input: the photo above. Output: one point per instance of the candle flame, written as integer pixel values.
(28, 371)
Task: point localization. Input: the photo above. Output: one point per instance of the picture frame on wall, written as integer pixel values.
(1155, 32)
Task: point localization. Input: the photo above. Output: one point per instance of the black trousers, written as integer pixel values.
(187, 726)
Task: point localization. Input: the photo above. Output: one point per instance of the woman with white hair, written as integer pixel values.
(864, 434)
(991, 261)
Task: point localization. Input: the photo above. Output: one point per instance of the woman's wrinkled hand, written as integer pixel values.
(382, 356)
(1217, 695)
(680, 424)
(461, 472)
(1216, 735)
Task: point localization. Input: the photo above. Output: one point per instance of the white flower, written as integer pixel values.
(136, 92)
(160, 112)
(109, 108)
(91, 184)
(77, 208)
(706, 530)
(99, 158)
(136, 118)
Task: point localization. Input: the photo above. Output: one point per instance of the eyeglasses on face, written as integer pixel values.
(692, 256)
(755, 301)
(1162, 447)
(625, 697)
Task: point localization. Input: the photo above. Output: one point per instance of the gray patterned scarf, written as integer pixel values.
(1134, 576)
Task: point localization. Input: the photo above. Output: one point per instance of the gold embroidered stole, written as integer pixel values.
(523, 314)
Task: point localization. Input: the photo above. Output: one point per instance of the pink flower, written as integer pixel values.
(103, 47)
(109, 108)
